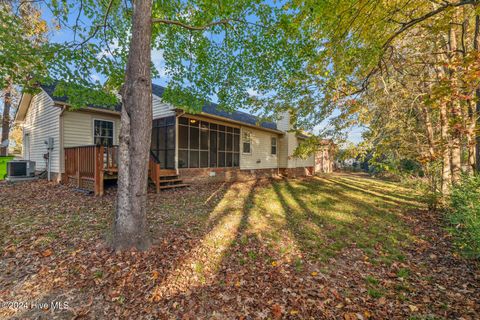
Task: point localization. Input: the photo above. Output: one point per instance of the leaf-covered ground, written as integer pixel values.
(338, 246)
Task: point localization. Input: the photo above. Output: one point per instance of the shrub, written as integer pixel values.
(464, 215)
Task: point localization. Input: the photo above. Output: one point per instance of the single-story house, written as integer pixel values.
(210, 145)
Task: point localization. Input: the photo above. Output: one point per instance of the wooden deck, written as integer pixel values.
(87, 167)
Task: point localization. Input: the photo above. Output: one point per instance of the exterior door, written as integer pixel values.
(163, 141)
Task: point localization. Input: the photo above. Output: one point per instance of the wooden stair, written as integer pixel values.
(164, 178)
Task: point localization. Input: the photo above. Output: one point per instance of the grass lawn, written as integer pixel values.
(337, 246)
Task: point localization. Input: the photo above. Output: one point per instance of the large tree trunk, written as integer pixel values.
(6, 119)
(130, 228)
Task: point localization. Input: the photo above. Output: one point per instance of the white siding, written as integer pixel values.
(260, 156)
(161, 109)
(293, 162)
(285, 141)
(78, 127)
(41, 122)
(283, 124)
(283, 151)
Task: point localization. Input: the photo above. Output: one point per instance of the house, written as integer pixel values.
(209, 146)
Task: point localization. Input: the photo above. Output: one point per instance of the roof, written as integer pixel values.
(209, 108)
(50, 88)
(214, 109)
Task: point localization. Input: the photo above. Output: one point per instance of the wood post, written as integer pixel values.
(98, 181)
(77, 167)
(157, 177)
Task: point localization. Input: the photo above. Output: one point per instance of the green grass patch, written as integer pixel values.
(371, 280)
(375, 293)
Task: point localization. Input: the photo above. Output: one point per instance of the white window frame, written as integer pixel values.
(249, 141)
(105, 120)
(273, 138)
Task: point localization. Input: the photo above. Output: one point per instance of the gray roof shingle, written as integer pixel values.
(209, 108)
(50, 88)
(213, 109)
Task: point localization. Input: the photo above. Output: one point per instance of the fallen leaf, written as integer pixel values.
(47, 253)
(277, 311)
(350, 316)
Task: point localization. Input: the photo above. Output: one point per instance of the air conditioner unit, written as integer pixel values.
(20, 168)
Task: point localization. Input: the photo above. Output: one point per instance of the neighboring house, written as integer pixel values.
(211, 145)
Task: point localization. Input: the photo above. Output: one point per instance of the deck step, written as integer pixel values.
(168, 177)
(167, 172)
(170, 181)
(171, 186)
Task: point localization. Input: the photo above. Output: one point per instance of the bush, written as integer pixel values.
(464, 215)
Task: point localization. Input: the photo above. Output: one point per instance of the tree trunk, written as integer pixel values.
(476, 116)
(429, 132)
(446, 169)
(130, 227)
(6, 119)
(456, 141)
(470, 133)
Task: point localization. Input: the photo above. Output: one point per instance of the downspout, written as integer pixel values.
(60, 144)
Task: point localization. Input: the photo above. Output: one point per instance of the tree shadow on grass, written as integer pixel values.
(379, 188)
(344, 222)
(199, 263)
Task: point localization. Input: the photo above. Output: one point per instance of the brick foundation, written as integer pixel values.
(206, 175)
(297, 172)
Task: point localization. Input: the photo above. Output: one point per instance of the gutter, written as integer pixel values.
(241, 123)
(88, 109)
(208, 115)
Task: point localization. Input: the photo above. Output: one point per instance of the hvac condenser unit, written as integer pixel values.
(20, 168)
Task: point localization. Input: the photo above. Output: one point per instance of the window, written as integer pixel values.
(103, 132)
(274, 145)
(247, 141)
(207, 145)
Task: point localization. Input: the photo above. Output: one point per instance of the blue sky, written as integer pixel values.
(65, 35)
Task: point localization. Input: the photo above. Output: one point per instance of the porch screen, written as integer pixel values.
(203, 144)
(163, 141)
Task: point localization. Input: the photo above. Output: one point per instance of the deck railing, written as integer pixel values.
(154, 171)
(85, 166)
